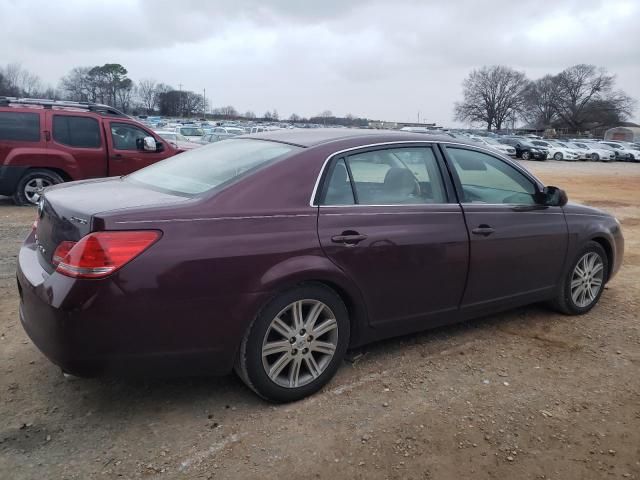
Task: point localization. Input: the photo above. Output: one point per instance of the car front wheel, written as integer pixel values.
(595, 157)
(295, 345)
(526, 155)
(557, 156)
(583, 284)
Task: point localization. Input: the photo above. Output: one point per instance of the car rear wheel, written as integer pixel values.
(584, 283)
(557, 156)
(526, 155)
(295, 345)
(32, 184)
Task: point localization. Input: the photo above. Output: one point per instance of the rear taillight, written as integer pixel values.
(62, 251)
(101, 253)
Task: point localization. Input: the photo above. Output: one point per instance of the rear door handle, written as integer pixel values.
(484, 230)
(348, 239)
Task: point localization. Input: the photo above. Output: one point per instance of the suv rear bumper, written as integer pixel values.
(9, 177)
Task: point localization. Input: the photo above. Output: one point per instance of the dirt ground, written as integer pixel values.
(529, 394)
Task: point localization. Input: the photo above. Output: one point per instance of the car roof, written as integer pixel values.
(317, 136)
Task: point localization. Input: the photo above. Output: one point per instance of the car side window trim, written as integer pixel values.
(319, 188)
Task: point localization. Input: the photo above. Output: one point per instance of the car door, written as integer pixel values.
(80, 136)
(517, 246)
(386, 218)
(125, 155)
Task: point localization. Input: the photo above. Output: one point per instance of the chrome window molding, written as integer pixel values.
(409, 143)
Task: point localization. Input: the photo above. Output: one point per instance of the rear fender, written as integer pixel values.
(317, 268)
(43, 158)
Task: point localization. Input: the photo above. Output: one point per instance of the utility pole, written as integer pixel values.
(180, 99)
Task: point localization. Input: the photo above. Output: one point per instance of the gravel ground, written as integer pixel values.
(525, 394)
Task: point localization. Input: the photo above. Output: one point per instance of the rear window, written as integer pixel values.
(202, 169)
(80, 132)
(19, 126)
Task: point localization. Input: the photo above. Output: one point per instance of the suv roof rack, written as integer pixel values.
(48, 104)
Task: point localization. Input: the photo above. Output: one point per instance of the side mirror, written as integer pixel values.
(146, 144)
(149, 144)
(553, 197)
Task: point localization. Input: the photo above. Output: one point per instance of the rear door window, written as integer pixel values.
(394, 176)
(77, 132)
(20, 126)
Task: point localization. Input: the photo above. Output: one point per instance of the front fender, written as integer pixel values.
(587, 224)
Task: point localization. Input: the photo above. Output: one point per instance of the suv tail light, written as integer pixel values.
(101, 253)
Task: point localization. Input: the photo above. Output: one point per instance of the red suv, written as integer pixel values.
(44, 142)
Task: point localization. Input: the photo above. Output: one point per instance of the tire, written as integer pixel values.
(566, 301)
(526, 155)
(314, 367)
(595, 157)
(32, 183)
(557, 156)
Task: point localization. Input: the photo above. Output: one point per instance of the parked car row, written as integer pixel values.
(532, 147)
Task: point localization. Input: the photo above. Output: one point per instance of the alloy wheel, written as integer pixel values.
(526, 155)
(34, 188)
(587, 279)
(558, 156)
(299, 343)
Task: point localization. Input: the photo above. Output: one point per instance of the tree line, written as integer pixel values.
(109, 84)
(579, 98)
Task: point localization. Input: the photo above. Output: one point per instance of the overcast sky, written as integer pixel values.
(381, 59)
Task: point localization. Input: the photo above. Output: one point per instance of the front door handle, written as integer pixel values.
(348, 238)
(484, 230)
(116, 156)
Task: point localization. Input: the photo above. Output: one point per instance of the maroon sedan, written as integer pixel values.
(275, 253)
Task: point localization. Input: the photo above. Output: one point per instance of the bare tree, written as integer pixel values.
(294, 117)
(22, 82)
(227, 112)
(249, 114)
(491, 96)
(581, 88)
(539, 98)
(148, 94)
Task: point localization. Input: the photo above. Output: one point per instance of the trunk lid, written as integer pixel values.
(66, 211)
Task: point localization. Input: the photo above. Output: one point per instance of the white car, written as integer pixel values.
(556, 152)
(625, 150)
(192, 133)
(595, 151)
(495, 145)
(178, 141)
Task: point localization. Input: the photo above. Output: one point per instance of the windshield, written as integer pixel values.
(200, 170)
(168, 136)
(191, 132)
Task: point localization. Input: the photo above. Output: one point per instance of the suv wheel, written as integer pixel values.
(295, 345)
(557, 156)
(526, 155)
(584, 282)
(32, 184)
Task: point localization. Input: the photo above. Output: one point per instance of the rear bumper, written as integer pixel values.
(9, 178)
(92, 326)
